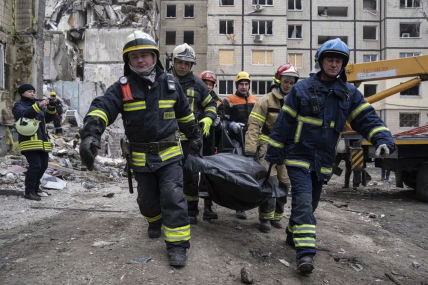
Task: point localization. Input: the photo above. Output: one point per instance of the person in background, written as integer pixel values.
(59, 112)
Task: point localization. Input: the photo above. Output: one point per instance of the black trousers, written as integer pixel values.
(38, 161)
(161, 200)
(57, 124)
(190, 183)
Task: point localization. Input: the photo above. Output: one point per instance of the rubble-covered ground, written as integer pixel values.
(363, 236)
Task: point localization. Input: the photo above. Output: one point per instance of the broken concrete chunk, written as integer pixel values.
(102, 243)
(246, 276)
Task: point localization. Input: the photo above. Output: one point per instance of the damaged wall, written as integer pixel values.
(59, 58)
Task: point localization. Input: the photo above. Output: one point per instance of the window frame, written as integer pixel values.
(221, 5)
(407, 23)
(264, 5)
(409, 113)
(294, 63)
(219, 85)
(410, 7)
(166, 13)
(175, 39)
(295, 10)
(301, 31)
(343, 38)
(233, 27)
(419, 95)
(258, 27)
(377, 7)
(376, 32)
(371, 55)
(184, 11)
(267, 87)
(369, 84)
(226, 50)
(193, 37)
(266, 51)
(406, 53)
(343, 7)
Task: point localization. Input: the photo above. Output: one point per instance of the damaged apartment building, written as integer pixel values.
(81, 50)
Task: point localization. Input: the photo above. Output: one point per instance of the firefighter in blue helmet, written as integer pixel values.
(153, 108)
(305, 136)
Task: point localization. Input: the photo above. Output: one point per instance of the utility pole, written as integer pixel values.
(38, 42)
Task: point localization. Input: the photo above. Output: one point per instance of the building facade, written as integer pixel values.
(184, 22)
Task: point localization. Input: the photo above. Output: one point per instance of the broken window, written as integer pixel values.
(409, 30)
(296, 59)
(369, 57)
(189, 37)
(171, 11)
(409, 120)
(370, 90)
(332, 11)
(414, 91)
(370, 5)
(226, 57)
(323, 39)
(170, 38)
(189, 11)
(409, 54)
(263, 2)
(262, 57)
(410, 3)
(294, 31)
(1, 66)
(227, 2)
(262, 28)
(225, 87)
(369, 33)
(295, 5)
(260, 87)
(226, 27)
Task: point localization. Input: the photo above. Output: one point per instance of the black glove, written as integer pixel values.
(88, 151)
(74, 144)
(195, 145)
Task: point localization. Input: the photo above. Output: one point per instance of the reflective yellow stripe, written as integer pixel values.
(263, 137)
(186, 119)
(304, 229)
(191, 198)
(305, 241)
(289, 111)
(358, 110)
(310, 120)
(182, 136)
(278, 216)
(290, 228)
(257, 116)
(138, 158)
(191, 93)
(298, 132)
(165, 103)
(140, 47)
(297, 163)
(207, 100)
(76, 140)
(375, 130)
(326, 170)
(101, 114)
(332, 124)
(266, 216)
(177, 234)
(170, 152)
(153, 219)
(211, 109)
(134, 106)
(36, 108)
(51, 111)
(275, 144)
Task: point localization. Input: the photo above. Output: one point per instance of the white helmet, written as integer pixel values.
(184, 52)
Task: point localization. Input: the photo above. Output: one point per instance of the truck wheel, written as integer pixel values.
(422, 183)
(409, 178)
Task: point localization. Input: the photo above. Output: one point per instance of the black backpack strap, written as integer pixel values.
(171, 82)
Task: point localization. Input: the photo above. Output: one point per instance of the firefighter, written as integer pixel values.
(33, 139)
(204, 109)
(153, 108)
(59, 112)
(209, 78)
(260, 124)
(237, 109)
(306, 134)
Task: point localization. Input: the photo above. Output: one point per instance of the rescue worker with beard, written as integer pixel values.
(153, 108)
(204, 109)
(237, 109)
(33, 138)
(260, 124)
(306, 134)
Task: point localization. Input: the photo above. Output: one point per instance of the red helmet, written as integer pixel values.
(208, 75)
(286, 69)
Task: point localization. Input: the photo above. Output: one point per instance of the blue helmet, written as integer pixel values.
(334, 46)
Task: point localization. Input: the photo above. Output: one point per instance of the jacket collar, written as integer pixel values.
(276, 93)
(337, 85)
(27, 101)
(241, 95)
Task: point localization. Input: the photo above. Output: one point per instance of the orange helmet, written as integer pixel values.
(208, 75)
(286, 69)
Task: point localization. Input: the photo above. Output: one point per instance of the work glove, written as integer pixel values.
(236, 127)
(274, 155)
(217, 123)
(88, 151)
(384, 150)
(74, 144)
(207, 121)
(195, 145)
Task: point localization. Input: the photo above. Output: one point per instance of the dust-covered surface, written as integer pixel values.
(380, 229)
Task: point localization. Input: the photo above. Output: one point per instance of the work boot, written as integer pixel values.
(177, 256)
(154, 231)
(209, 214)
(193, 220)
(305, 264)
(276, 224)
(289, 240)
(241, 215)
(264, 226)
(32, 197)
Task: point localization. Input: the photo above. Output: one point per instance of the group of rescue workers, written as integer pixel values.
(167, 116)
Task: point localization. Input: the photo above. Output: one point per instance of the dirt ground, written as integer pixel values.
(362, 235)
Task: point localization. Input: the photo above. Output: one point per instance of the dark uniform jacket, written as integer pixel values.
(238, 107)
(155, 115)
(28, 108)
(309, 140)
